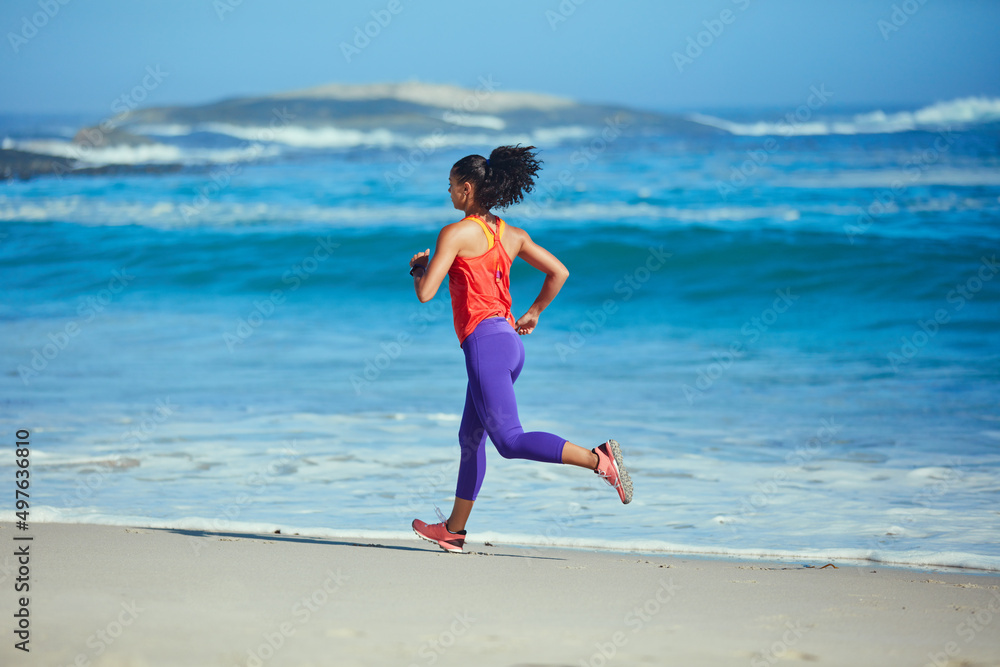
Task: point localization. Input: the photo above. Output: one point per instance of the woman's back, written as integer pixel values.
(480, 283)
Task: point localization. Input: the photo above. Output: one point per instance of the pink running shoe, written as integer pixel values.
(439, 533)
(611, 468)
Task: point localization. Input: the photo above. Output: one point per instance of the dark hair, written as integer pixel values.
(503, 179)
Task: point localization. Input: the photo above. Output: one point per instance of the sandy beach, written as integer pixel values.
(271, 270)
(112, 595)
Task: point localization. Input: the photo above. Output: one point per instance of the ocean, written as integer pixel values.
(791, 326)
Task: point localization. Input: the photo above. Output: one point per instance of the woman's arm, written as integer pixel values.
(555, 276)
(427, 282)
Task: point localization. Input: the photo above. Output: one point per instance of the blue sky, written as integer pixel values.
(870, 53)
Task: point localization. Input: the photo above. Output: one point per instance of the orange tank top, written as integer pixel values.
(480, 286)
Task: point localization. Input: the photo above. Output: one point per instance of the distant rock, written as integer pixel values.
(414, 108)
(22, 165)
(377, 113)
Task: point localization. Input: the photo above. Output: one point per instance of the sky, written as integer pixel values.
(69, 56)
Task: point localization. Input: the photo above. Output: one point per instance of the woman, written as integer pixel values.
(476, 253)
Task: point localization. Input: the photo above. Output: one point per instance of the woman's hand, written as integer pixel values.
(526, 323)
(420, 259)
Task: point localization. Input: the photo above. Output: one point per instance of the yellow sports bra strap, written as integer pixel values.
(489, 234)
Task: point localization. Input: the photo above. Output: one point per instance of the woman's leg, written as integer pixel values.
(571, 455)
(578, 456)
(494, 356)
(471, 467)
(494, 362)
(471, 438)
(459, 514)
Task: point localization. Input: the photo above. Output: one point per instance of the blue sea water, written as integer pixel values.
(793, 336)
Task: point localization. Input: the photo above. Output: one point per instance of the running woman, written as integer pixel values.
(476, 253)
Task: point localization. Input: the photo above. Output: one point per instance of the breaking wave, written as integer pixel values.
(961, 112)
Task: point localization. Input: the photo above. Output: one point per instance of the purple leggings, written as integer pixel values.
(494, 356)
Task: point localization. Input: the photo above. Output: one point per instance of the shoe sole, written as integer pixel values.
(441, 546)
(623, 476)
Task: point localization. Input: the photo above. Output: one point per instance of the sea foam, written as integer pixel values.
(941, 116)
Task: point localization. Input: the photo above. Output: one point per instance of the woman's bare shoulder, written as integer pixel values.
(460, 229)
(465, 236)
(514, 237)
(515, 232)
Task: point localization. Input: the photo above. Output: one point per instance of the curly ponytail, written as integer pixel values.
(503, 179)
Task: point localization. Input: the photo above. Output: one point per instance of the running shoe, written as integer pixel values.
(611, 468)
(439, 533)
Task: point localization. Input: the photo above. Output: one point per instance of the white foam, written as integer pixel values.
(614, 211)
(171, 214)
(475, 120)
(218, 213)
(938, 116)
(155, 153)
(915, 558)
(920, 510)
(932, 473)
(445, 417)
(894, 178)
(212, 213)
(556, 135)
(304, 137)
(331, 137)
(46, 459)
